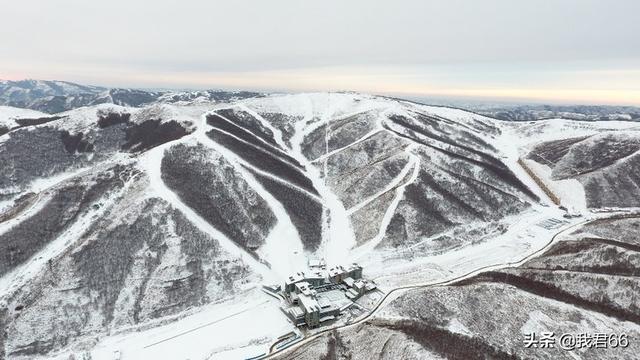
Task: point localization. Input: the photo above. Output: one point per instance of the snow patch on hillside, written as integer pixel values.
(8, 115)
(570, 191)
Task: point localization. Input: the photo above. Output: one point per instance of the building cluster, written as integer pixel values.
(323, 295)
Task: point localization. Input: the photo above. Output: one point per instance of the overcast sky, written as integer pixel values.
(575, 51)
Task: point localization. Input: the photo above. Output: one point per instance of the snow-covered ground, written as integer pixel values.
(237, 329)
(8, 115)
(532, 133)
(569, 191)
(524, 237)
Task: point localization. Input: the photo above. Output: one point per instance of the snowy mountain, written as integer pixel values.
(57, 96)
(573, 112)
(145, 225)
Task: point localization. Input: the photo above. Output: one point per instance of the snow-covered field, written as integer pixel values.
(236, 329)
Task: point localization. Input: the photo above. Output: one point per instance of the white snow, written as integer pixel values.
(238, 160)
(283, 249)
(241, 328)
(8, 115)
(317, 109)
(510, 146)
(79, 119)
(532, 133)
(338, 236)
(570, 191)
(14, 112)
(522, 239)
(455, 326)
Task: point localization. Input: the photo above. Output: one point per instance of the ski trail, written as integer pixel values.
(152, 164)
(277, 134)
(338, 236)
(507, 143)
(41, 187)
(246, 164)
(283, 248)
(335, 151)
(327, 118)
(386, 220)
(257, 137)
(393, 184)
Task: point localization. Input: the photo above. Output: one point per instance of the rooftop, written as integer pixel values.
(308, 303)
(294, 278)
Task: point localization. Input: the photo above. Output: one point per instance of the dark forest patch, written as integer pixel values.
(550, 291)
(75, 143)
(28, 237)
(263, 160)
(37, 121)
(304, 211)
(24, 122)
(18, 206)
(104, 264)
(219, 122)
(247, 121)
(445, 343)
(549, 153)
(404, 122)
(218, 194)
(151, 133)
(449, 195)
(113, 118)
(613, 257)
(25, 239)
(130, 97)
(596, 154)
(3, 335)
(284, 123)
(500, 171)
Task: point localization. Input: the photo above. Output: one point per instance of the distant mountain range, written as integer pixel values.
(57, 96)
(572, 112)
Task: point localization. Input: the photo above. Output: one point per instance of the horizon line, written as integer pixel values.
(451, 95)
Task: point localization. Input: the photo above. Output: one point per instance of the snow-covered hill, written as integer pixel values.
(572, 112)
(163, 214)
